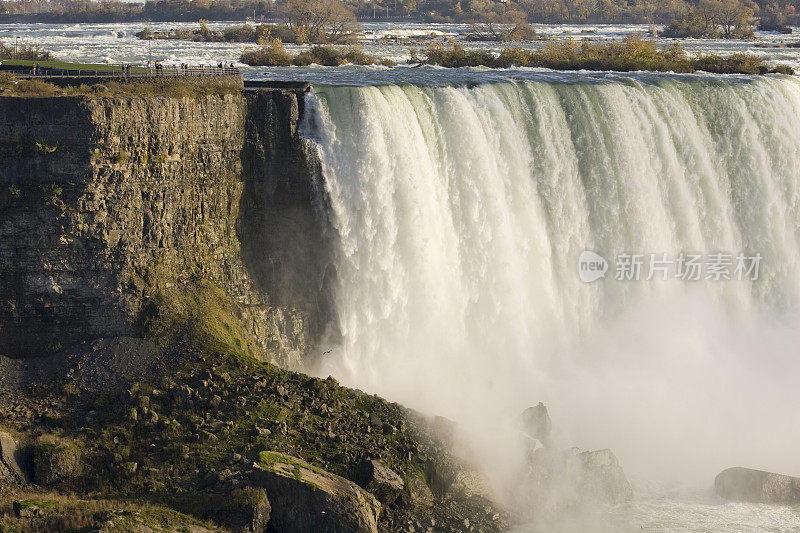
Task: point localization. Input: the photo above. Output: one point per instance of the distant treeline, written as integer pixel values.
(303, 21)
(72, 11)
(697, 18)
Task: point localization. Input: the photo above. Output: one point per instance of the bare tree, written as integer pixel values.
(321, 20)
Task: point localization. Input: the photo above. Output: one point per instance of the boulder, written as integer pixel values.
(305, 498)
(456, 479)
(470, 483)
(247, 510)
(55, 460)
(535, 423)
(758, 486)
(600, 478)
(418, 494)
(383, 482)
(559, 480)
(14, 467)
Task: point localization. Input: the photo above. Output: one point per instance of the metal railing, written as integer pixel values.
(139, 72)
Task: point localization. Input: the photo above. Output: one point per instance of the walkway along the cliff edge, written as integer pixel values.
(135, 71)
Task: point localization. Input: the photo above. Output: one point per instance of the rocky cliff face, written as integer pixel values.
(102, 197)
(281, 233)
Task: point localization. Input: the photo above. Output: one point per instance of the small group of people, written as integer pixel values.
(185, 68)
(158, 67)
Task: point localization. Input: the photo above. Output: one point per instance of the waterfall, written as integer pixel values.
(459, 214)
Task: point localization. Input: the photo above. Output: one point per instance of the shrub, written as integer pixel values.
(284, 33)
(303, 59)
(521, 32)
(34, 88)
(736, 64)
(243, 33)
(690, 26)
(514, 56)
(275, 55)
(205, 31)
(746, 64)
(783, 69)
(357, 56)
(326, 55)
(271, 54)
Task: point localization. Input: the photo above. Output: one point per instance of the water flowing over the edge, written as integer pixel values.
(459, 215)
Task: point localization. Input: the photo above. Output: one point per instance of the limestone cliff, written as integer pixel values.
(100, 195)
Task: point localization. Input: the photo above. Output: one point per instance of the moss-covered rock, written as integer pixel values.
(308, 499)
(55, 460)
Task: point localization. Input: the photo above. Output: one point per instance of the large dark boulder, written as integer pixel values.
(305, 498)
(758, 486)
(380, 480)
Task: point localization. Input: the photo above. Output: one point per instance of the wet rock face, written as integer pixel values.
(745, 484)
(97, 194)
(281, 216)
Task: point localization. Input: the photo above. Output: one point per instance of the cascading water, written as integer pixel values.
(459, 215)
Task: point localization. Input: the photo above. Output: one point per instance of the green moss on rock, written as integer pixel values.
(198, 311)
(56, 460)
